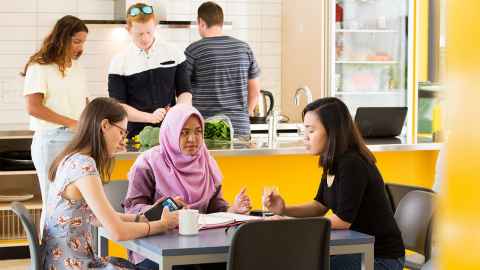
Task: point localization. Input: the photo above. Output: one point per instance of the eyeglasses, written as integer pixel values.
(137, 10)
(123, 131)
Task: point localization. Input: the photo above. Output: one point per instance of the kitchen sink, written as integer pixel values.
(283, 140)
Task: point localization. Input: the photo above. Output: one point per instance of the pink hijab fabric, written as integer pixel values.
(195, 178)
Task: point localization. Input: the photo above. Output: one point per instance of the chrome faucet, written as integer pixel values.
(305, 90)
(273, 127)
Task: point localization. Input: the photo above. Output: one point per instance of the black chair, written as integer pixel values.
(291, 244)
(395, 192)
(31, 231)
(414, 217)
(116, 192)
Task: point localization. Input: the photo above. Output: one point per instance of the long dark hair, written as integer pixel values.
(56, 46)
(342, 133)
(89, 136)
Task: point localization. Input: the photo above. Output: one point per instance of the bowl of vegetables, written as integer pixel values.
(218, 130)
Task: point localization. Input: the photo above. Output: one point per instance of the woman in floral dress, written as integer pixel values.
(76, 198)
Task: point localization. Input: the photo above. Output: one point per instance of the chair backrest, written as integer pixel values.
(116, 192)
(414, 217)
(429, 265)
(395, 192)
(31, 231)
(291, 244)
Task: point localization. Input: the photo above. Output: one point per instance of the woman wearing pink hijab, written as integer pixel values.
(180, 167)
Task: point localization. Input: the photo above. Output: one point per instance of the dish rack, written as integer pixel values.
(11, 227)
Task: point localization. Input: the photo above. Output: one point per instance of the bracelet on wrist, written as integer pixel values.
(148, 230)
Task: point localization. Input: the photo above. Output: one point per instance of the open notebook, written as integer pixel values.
(223, 219)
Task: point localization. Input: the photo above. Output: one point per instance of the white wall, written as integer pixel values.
(25, 23)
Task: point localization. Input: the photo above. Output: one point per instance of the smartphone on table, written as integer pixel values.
(261, 213)
(155, 212)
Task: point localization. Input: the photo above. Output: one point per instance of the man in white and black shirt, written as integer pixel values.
(149, 76)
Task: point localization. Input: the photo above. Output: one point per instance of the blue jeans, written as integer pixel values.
(353, 262)
(46, 145)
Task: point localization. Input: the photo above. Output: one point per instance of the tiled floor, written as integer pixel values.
(14, 264)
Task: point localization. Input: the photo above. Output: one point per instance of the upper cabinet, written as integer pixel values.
(303, 53)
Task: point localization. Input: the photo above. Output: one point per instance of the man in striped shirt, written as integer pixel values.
(223, 71)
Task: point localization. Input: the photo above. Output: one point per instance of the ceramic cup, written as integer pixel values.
(188, 221)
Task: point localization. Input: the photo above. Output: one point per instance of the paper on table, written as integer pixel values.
(206, 220)
(222, 219)
(233, 216)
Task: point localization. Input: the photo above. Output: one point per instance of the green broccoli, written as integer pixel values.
(149, 136)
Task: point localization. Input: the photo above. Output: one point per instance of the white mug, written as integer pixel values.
(188, 221)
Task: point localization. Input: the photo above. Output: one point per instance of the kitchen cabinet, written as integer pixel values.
(303, 53)
(11, 229)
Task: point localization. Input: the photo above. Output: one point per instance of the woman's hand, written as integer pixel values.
(142, 218)
(275, 203)
(241, 204)
(180, 202)
(169, 219)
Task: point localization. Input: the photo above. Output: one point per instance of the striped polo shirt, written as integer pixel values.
(219, 68)
(148, 81)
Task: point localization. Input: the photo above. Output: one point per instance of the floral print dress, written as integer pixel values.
(67, 237)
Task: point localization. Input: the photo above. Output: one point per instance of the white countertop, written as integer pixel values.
(258, 146)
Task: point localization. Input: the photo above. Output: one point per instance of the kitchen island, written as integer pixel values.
(287, 165)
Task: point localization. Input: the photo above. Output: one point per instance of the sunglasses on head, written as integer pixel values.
(137, 10)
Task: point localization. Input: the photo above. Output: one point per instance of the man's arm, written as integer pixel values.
(135, 115)
(117, 89)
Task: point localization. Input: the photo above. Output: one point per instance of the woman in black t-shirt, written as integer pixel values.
(351, 185)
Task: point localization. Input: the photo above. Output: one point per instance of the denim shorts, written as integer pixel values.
(46, 145)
